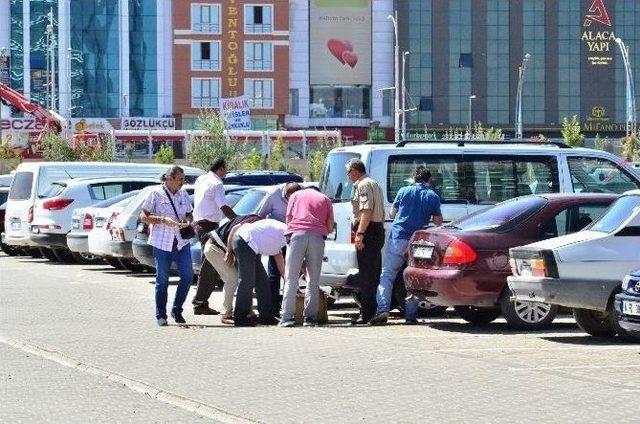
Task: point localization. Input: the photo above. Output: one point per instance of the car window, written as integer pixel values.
(617, 213)
(334, 182)
(233, 197)
(115, 199)
(572, 219)
(106, 190)
(3, 196)
(249, 202)
(598, 175)
(21, 186)
(477, 179)
(502, 217)
(52, 190)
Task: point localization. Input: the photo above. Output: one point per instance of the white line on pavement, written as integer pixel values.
(573, 367)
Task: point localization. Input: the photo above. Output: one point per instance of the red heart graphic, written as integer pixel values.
(337, 47)
(348, 45)
(350, 58)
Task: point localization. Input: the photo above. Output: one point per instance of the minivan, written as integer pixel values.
(33, 179)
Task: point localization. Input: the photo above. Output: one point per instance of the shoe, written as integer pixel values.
(204, 310)
(227, 320)
(411, 321)
(359, 321)
(245, 322)
(379, 318)
(177, 316)
(268, 321)
(309, 322)
(287, 323)
(162, 322)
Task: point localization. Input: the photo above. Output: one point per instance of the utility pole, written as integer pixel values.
(3, 61)
(52, 53)
(631, 126)
(521, 71)
(404, 97)
(469, 128)
(396, 62)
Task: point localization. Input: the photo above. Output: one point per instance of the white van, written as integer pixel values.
(467, 177)
(33, 179)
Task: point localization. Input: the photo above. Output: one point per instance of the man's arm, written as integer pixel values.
(393, 212)
(279, 259)
(330, 225)
(228, 212)
(437, 219)
(147, 218)
(228, 256)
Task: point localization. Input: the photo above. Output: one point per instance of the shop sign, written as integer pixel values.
(90, 125)
(237, 112)
(597, 35)
(232, 47)
(23, 124)
(376, 134)
(144, 124)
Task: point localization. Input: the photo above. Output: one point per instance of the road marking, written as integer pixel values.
(183, 402)
(573, 367)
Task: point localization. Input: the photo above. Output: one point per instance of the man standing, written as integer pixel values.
(274, 206)
(413, 208)
(247, 242)
(309, 220)
(368, 224)
(210, 207)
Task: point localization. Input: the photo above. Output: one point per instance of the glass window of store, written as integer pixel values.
(205, 18)
(498, 62)
(420, 63)
(258, 19)
(16, 50)
(143, 60)
(258, 56)
(459, 67)
(533, 98)
(205, 92)
(340, 102)
(205, 56)
(39, 49)
(569, 33)
(260, 91)
(627, 24)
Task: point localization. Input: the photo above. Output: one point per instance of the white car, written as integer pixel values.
(99, 237)
(583, 270)
(52, 211)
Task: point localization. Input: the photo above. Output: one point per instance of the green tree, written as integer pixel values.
(165, 155)
(10, 159)
(488, 134)
(277, 158)
(57, 149)
(203, 151)
(319, 155)
(603, 144)
(572, 132)
(631, 145)
(252, 161)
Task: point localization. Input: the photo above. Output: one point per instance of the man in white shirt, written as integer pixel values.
(209, 208)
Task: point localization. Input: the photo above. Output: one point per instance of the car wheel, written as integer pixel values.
(114, 263)
(595, 323)
(8, 249)
(132, 266)
(34, 252)
(527, 315)
(85, 258)
(478, 316)
(64, 256)
(47, 253)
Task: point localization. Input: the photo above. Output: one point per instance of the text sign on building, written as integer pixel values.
(4, 69)
(23, 124)
(237, 112)
(232, 48)
(597, 35)
(90, 125)
(340, 42)
(148, 124)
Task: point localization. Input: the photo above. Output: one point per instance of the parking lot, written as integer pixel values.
(88, 334)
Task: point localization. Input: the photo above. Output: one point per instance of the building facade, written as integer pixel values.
(463, 48)
(231, 48)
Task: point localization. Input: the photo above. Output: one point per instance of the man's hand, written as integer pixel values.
(170, 222)
(228, 258)
(359, 242)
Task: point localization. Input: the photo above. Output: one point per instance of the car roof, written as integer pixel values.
(258, 172)
(106, 179)
(34, 165)
(581, 196)
(631, 193)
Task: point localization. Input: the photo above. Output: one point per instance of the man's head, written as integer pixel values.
(174, 178)
(290, 188)
(423, 175)
(219, 167)
(355, 169)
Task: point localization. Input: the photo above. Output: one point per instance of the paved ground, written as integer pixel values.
(79, 343)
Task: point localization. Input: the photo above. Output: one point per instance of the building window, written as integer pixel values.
(258, 56)
(205, 92)
(387, 103)
(533, 89)
(460, 60)
(569, 55)
(205, 56)
(294, 100)
(340, 102)
(205, 18)
(420, 63)
(258, 19)
(260, 91)
(497, 62)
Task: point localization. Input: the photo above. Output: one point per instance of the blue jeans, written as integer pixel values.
(163, 260)
(391, 264)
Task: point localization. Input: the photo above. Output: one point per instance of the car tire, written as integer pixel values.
(8, 249)
(64, 256)
(595, 323)
(527, 315)
(86, 258)
(132, 266)
(114, 263)
(47, 254)
(477, 316)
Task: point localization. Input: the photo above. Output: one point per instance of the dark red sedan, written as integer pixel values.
(465, 264)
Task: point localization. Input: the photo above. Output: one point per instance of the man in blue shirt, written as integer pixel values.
(412, 209)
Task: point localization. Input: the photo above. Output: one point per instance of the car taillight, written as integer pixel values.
(111, 219)
(56, 204)
(459, 253)
(30, 215)
(87, 223)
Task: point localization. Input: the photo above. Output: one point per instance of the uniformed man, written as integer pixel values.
(368, 224)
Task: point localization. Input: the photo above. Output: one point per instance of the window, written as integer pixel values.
(387, 103)
(340, 102)
(334, 182)
(598, 175)
(503, 217)
(294, 100)
(205, 92)
(21, 186)
(258, 56)
(572, 219)
(477, 179)
(621, 210)
(258, 19)
(205, 18)
(260, 91)
(205, 56)
(107, 191)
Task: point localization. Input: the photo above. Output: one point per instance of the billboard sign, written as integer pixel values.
(597, 35)
(237, 112)
(340, 42)
(90, 125)
(148, 124)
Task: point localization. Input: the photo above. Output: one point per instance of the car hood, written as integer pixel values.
(562, 241)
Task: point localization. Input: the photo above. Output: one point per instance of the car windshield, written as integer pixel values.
(234, 197)
(249, 202)
(334, 182)
(21, 186)
(115, 199)
(617, 214)
(52, 190)
(502, 216)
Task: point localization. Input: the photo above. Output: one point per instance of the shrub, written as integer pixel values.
(252, 161)
(318, 157)
(165, 155)
(10, 159)
(571, 132)
(277, 160)
(202, 152)
(631, 145)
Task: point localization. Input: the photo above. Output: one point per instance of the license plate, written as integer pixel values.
(423, 252)
(631, 308)
(15, 225)
(99, 222)
(75, 225)
(525, 269)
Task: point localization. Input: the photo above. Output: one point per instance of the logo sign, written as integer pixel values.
(237, 112)
(636, 288)
(597, 35)
(144, 124)
(233, 45)
(340, 42)
(90, 125)
(22, 124)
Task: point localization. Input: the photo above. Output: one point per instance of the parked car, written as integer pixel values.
(584, 270)
(260, 178)
(5, 180)
(33, 179)
(9, 250)
(465, 263)
(627, 305)
(83, 221)
(468, 176)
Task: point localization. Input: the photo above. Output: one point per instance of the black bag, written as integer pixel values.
(187, 233)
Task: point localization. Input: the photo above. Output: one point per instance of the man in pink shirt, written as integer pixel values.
(309, 220)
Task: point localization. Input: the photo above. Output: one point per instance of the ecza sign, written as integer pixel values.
(148, 124)
(237, 112)
(19, 124)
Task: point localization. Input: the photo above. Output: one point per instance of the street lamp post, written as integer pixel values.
(521, 71)
(631, 126)
(471, 99)
(396, 58)
(70, 94)
(404, 97)
(3, 58)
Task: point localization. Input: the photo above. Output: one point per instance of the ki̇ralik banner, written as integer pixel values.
(237, 112)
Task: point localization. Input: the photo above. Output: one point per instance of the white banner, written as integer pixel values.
(148, 124)
(237, 112)
(90, 125)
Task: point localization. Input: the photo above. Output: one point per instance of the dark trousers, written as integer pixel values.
(274, 283)
(251, 274)
(208, 274)
(369, 268)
